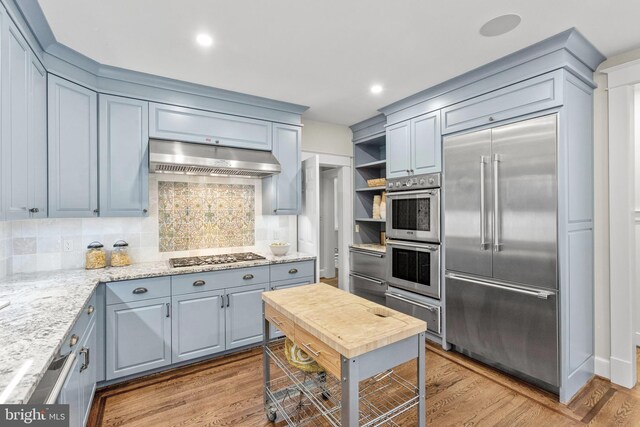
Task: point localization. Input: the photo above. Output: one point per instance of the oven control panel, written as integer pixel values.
(416, 182)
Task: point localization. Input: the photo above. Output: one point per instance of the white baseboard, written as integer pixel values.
(622, 372)
(637, 339)
(603, 367)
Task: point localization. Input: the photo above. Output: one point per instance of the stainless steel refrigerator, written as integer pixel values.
(500, 198)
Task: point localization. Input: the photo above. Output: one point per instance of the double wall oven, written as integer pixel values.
(413, 246)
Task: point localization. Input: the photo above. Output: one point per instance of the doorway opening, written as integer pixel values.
(329, 226)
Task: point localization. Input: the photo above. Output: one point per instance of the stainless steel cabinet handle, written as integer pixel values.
(497, 246)
(247, 276)
(85, 352)
(199, 283)
(311, 350)
(90, 310)
(73, 340)
(293, 271)
(537, 294)
(140, 291)
(407, 300)
(483, 211)
(168, 310)
(368, 253)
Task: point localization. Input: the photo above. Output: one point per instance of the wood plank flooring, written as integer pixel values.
(228, 392)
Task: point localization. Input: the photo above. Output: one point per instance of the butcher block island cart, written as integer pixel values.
(356, 343)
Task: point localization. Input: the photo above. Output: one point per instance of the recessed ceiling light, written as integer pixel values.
(376, 89)
(204, 40)
(500, 25)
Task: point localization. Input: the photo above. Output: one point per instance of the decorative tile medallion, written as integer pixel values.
(200, 216)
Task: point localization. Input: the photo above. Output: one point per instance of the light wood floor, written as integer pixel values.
(228, 392)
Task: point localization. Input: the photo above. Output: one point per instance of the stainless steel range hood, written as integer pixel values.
(187, 158)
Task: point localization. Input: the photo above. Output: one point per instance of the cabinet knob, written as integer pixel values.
(491, 118)
(145, 210)
(73, 340)
(90, 310)
(217, 141)
(96, 211)
(34, 210)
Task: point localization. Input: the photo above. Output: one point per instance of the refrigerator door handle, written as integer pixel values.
(497, 246)
(483, 211)
(537, 294)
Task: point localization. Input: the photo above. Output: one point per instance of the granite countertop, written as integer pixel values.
(45, 306)
(370, 247)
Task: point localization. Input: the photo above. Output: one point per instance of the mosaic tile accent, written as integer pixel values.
(198, 216)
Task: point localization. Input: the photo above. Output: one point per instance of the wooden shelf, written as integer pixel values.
(378, 188)
(370, 220)
(379, 164)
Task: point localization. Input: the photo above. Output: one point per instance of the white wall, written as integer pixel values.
(637, 207)
(329, 138)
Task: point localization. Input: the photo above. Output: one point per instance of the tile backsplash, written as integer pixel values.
(194, 215)
(53, 244)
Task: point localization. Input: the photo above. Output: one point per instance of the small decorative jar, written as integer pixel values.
(120, 254)
(96, 257)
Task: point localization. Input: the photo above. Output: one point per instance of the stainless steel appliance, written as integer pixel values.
(501, 247)
(368, 271)
(50, 386)
(416, 306)
(175, 157)
(413, 208)
(213, 259)
(414, 266)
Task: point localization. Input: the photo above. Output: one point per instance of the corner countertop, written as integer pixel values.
(370, 247)
(45, 306)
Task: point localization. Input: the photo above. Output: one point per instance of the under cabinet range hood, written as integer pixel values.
(187, 158)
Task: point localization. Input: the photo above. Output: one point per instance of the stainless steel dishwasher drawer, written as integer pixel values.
(368, 263)
(422, 310)
(513, 328)
(368, 288)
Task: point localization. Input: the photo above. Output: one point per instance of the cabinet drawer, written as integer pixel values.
(283, 324)
(78, 330)
(537, 94)
(321, 353)
(292, 270)
(430, 313)
(213, 280)
(191, 125)
(138, 290)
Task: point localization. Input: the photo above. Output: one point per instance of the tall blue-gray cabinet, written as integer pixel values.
(282, 193)
(123, 153)
(24, 141)
(73, 149)
(414, 146)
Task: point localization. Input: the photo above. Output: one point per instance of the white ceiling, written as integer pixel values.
(325, 54)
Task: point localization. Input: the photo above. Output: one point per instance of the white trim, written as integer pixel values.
(328, 159)
(637, 339)
(602, 367)
(626, 74)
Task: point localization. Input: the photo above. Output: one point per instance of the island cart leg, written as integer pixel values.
(421, 382)
(266, 367)
(350, 404)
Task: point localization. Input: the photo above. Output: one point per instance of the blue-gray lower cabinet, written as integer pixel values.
(124, 159)
(138, 336)
(73, 149)
(282, 193)
(284, 284)
(244, 317)
(198, 325)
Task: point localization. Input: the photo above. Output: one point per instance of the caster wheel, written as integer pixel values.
(326, 395)
(271, 415)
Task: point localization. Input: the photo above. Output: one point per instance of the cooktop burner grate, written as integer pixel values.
(213, 259)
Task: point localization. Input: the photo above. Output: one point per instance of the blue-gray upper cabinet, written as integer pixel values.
(536, 94)
(124, 159)
(414, 146)
(73, 149)
(187, 124)
(244, 317)
(282, 193)
(198, 325)
(24, 140)
(398, 150)
(138, 336)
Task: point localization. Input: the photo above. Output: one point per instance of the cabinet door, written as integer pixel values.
(275, 332)
(124, 159)
(191, 125)
(71, 394)
(244, 317)
(88, 371)
(37, 139)
(190, 337)
(398, 150)
(425, 143)
(15, 125)
(73, 149)
(138, 336)
(282, 192)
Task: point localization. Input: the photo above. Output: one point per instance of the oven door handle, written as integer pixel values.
(368, 253)
(431, 248)
(409, 301)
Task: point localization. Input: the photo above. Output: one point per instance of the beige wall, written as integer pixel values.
(601, 214)
(327, 138)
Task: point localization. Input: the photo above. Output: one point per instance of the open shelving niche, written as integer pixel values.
(370, 161)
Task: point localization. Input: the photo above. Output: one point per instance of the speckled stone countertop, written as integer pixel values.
(44, 307)
(370, 247)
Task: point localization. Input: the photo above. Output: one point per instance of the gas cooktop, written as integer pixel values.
(192, 261)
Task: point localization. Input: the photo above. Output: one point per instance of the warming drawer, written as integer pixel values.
(368, 263)
(430, 313)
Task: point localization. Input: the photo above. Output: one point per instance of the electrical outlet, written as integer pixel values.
(68, 245)
(357, 228)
